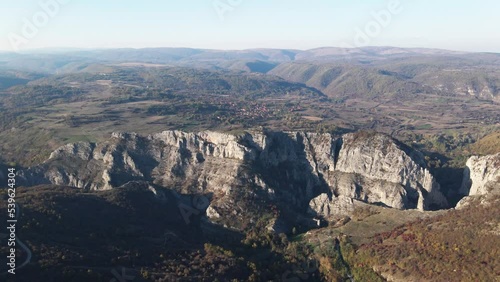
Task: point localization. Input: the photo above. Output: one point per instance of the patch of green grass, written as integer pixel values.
(490, 144)
(26, 147)
(424, 127)
(79, 138)
(297, 238)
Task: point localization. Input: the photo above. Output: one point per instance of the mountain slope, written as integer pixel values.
(367, 71)
(79, 236)
(349, 81)
(399, 79)
(460, 245)
(250, 171)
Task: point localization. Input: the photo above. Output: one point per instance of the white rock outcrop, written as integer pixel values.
(481, 175)
(296, 169)
(375, 168)
(334, 207)
(481, 180)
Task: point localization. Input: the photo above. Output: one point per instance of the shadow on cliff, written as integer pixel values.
(284, 167)
(142, 160)
(449, 178)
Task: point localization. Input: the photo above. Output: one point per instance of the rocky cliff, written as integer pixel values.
(252, 170)
(481, 177)
(375, 168)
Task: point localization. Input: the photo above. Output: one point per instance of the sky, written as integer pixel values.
(246, 24)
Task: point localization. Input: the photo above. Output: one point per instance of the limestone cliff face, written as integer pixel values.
(289, 169)
(481, 175)
(375, 168)
(481, 179)
(332, 207)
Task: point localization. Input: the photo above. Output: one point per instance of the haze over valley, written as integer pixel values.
(282, 142)
(255, 154)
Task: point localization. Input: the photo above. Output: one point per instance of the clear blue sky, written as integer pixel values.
(300, 24)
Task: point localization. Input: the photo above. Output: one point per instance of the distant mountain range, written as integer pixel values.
(364, 55)
(338, 72)
(257, 165)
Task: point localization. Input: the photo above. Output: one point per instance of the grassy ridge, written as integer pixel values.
(460, 245)
(487, 145)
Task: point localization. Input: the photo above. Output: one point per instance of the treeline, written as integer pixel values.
(40, 95)
(194, 81)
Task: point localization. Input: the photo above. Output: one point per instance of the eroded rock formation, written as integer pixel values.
(301, 171)
(481, 178)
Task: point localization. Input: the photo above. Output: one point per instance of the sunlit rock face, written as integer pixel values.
(292, 170)
(481, 179)
(481, 175)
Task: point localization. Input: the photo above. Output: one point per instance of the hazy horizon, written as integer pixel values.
(241, 25)
(69, 49)
(239, 140)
